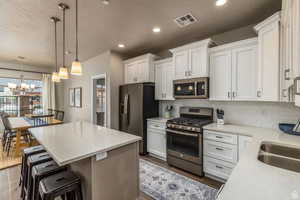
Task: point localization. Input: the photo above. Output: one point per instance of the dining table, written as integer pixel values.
(20, 124)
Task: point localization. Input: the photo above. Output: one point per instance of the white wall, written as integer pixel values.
(108, 63)
(260, 114)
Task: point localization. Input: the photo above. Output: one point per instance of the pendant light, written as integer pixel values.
(63, 71)
(55, 77)
(76, 65)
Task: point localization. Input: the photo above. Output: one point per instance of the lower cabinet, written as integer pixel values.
(221, 152)
(156, 139)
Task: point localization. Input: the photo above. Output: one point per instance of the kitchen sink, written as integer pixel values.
(280, 156)
(281, 150)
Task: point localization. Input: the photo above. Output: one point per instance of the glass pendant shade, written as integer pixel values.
(76, 68)
(55, 77)
(63, 73)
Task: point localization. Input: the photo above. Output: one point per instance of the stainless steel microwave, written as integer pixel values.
(196, 88)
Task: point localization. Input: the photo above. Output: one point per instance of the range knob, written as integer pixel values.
(193, 129)
(188, 128)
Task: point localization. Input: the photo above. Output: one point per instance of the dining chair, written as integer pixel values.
(50, 111)
(59, 115)
(10, 135)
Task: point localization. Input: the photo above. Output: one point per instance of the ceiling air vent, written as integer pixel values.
(185, 20)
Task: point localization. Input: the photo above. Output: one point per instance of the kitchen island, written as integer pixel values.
(106, 160)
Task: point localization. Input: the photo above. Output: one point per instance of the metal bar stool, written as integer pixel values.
(42, 171)
(65, 184)
(24, 170)
(32, 161)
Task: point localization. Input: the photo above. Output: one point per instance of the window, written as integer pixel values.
(18, 102)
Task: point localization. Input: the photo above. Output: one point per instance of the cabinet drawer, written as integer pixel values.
(220, 137)
(222, 151)
(217, 168)
(156, 125)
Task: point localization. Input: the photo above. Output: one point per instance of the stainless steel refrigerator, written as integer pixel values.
(137, 104)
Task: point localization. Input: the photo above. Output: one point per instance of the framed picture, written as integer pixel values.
(72, 97)
(78, 97)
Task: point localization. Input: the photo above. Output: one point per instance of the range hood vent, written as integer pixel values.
(185, 20)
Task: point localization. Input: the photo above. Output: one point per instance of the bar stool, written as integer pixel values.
(24, 170)
(32, 161)
(65, 184)
(42, 171)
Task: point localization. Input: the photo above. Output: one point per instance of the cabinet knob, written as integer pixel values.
(228, 94)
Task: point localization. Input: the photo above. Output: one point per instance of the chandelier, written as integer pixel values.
(22, 88)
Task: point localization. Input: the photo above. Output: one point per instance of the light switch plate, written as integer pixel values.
(101, 156)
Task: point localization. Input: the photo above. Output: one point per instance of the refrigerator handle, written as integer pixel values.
(126, 104)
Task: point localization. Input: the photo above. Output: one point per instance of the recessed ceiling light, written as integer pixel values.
(156, 30)
(221, 2)
(121, 45)
(105, 2)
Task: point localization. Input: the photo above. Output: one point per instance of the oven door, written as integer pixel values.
(184, 145)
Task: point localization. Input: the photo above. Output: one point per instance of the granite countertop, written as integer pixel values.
(70, 142)
(254, 180)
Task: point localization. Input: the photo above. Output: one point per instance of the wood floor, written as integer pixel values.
(9, 178)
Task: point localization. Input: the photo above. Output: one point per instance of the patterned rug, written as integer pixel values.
(163, 184)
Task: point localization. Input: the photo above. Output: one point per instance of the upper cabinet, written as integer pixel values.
(191, 61)
(290, 49)
(139, 69)
(233, 71)
(268, 59)
(164, 75)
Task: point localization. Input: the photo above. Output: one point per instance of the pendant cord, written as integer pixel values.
(76, 30)
(64, 48)
(55, 29)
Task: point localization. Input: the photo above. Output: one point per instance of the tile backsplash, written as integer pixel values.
(259, 114)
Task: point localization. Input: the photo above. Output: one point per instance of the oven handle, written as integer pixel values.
(181, 133)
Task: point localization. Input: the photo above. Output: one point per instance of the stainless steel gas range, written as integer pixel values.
(184, 138)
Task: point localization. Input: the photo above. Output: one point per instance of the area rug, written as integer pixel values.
(163, 184)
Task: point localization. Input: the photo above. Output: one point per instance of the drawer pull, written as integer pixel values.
(219, 167)
(220, 137)
(219, 149)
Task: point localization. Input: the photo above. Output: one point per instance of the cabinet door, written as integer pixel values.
(159, 69)
(243, 143)
(268, 63)
(244, 73)
(142, 71)
(156, 142)
(168, 83)
(220, 75)
(198, 62)
(130, 73)
(181, 64)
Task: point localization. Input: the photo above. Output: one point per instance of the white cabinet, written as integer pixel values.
(156, 139)
(191, 61)
(139, 69)
(233, 71)
(164, 75)
(221, 152)
(268, 58)
(243, 143)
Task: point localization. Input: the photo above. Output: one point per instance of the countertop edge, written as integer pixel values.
(60, 163)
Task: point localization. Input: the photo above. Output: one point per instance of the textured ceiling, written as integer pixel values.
(25, 28)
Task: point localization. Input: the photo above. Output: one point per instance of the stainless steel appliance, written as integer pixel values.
(184, 138)
(197, 88)
(137, 103)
